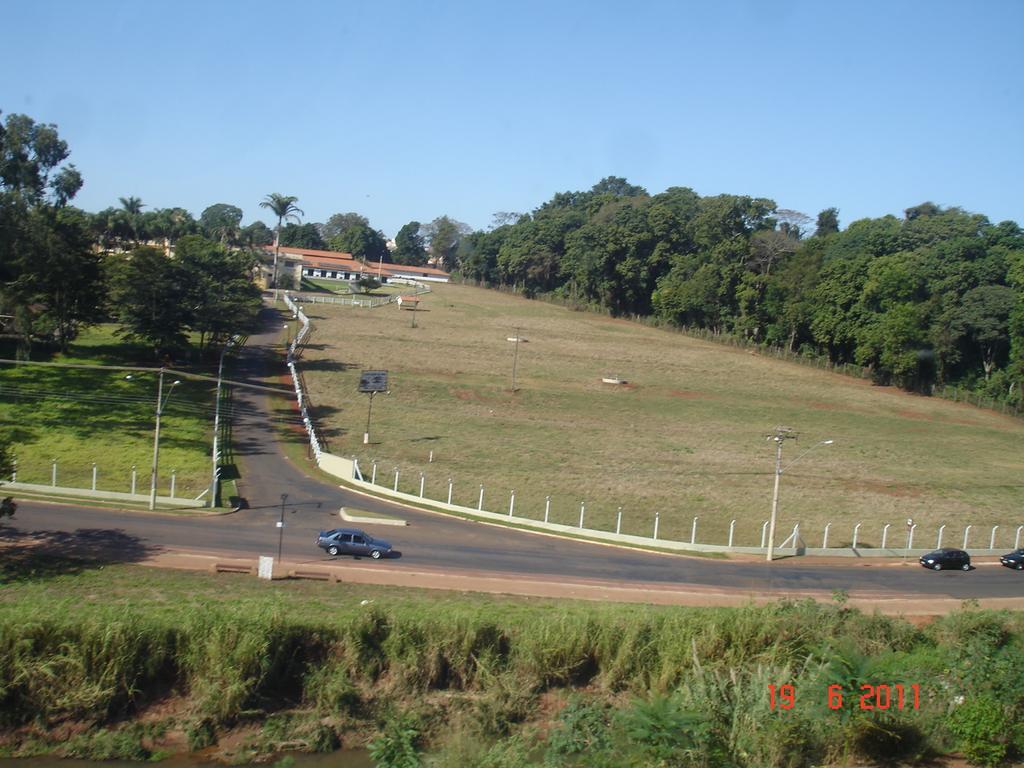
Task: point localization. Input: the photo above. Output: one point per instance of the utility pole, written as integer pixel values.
(781, 435)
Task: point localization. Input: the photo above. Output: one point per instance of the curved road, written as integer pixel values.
(450, 545)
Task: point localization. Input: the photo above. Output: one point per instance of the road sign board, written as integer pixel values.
(373, 381)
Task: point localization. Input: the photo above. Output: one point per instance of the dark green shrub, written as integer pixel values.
(981, 726)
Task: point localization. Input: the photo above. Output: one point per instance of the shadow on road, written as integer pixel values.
(39, 555)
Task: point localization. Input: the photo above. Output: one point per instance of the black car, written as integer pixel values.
(352, 541)
(947, 557)
(1014, 560)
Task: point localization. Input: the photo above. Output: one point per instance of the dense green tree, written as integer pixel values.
(221, 222)
(339, 222)
(409, 245)
(302, 236)
(220, 294)
(987, 311)
(443, 235)
(149, 297)
(362, 242)
(256, 235)
(828, 222)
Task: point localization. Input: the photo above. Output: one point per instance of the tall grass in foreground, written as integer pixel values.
(671, 685)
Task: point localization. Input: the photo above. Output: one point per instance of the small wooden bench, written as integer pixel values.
(232, 568)
(315, 575)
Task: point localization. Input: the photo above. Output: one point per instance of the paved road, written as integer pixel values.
(439, 542)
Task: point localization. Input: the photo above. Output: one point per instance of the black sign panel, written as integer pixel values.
(373, 381)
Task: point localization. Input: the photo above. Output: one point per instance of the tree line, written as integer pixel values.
(62, 269)
(935, 297)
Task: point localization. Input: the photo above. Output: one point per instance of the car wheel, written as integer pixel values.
(966, 566)
(1019, 566)
(333, 551)
(375, 554)
(937, 567)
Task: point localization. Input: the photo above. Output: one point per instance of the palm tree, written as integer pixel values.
(282, 206)
(133, 209)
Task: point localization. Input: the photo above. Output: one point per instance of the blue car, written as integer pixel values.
(352, 541)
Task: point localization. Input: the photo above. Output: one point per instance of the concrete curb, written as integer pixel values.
(370, 520)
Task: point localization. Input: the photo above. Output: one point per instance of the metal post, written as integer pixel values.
(133, 479)
(431, 459)
(449, 490)
(618, 522)
(856, 532)
(775, 499)
(582, 506)
(1016, 538)
(156, 441)
(938, 544)
(14, 470)
(885, 534)
(396, 479)
(992, 540)
(512, 502)
(657, 518)
(174, 474)
(967, 532)
(732, 526)
(515, 359)
(547, 507)
(280, 527)
(422, 481)
(94, 475)
(369, 410)
(53, 474)
(910, 541)
(824, 541)
(215, 475)
(693, 531)
(480, 501)
(764, 533)
(373, 477)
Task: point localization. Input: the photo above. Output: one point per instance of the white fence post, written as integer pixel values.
(856, 531)
(910, 536)
(373, 476)
(764, 534)
(423, 479)
(396, 479)
(547, 507)
(967, 532)
(53, 474)
(511, 502)
(174, 473)
(583, 505)
(992, 540)
(1016, 539)
(824, 541)
(133, 479)
(657, 517)
(480, 502)
(94, 475)
(618, 522)
(885, 534)
(732, 525)
(449, 490)
(938, 543)
(693, 531)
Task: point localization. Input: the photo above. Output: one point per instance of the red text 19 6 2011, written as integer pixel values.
(871, 697)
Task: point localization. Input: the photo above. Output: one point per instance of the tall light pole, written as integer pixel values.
(515, 355)
(781, 435)
(161, 403)
(280, 527)
(216, 425)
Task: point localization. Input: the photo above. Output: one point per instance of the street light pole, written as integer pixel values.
(280, 527)
(160, 403)
(216, 426)
(781, 435)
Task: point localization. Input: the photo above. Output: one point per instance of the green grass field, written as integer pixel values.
(81, 416)
(686, 436)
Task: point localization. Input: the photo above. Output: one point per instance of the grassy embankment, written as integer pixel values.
(686, 436)
(81, 416)
(129, 661)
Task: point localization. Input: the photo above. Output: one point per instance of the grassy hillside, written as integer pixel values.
(80, 416)
(685, 436)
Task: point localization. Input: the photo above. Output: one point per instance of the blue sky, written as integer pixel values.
(409, 110)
